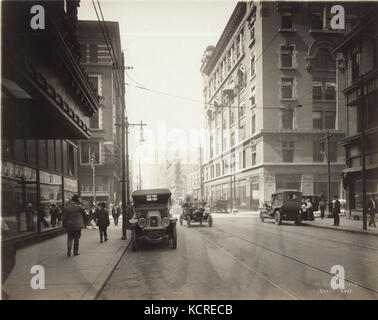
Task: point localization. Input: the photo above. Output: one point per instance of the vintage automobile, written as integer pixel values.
(220, 206)
(194, 210)
(285, 205)
(152, 221)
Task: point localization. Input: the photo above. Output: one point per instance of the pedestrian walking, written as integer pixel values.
(322, 206)
(115, 214)
(54, 215)
(102, 219)
(92, 211)
(309, 210)
(336, 211)
(372, 209)
(73, 221)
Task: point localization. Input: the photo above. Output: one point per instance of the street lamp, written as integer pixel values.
(325, 140)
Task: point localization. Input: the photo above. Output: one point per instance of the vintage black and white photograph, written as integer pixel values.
(189, 150)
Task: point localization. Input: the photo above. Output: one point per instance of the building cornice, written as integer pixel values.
(234, 21)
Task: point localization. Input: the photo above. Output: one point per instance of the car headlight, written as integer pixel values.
(142, 222)
(165, 222)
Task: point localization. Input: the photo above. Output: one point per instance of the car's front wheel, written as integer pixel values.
(189, 221)
(210, 221)
(277, 217)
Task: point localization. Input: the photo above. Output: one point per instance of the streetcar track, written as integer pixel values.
(317, 237)
(361, 285)
(265, 277)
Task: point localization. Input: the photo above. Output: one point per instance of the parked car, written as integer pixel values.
(195, 211)
(152, 221)
(285, 205)
(220, 206)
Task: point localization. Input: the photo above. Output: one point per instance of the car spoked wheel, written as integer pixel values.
(277, 217)
(210, 221)
(174, 237)
(134, 240)
(189, 222)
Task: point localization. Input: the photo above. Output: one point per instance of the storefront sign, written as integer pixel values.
(49, 178)
(15, 171)
(71, 185)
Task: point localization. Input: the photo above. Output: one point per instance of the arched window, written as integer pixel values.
(324, 61)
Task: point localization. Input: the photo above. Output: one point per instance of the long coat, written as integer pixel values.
(102, 218)
(73, 217)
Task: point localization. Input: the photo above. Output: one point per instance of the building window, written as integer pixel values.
(96, 81)
(317, 121)
(287, 119)
(287, 57)
(288, 181)
(330, 91)
(242, 111)
(232, 139)
(42, 153)
(323, 90)
(217, 170)
(31, 151)
(93, 57)
(87, 149)
(316, 154)
(253, 155)
(317, 91)
(232, 118)
(253, 96)
(252, 66)
(241, 133)
(355, 66)
(324, 119)
(329, 119)
(94, 121)
(316, 21)
(287, 88)
(286, 20)
(254, 124)
(51, 154)
(58, 155)
(288, 151)
(324, 61)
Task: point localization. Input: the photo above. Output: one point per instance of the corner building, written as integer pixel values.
(270, 95)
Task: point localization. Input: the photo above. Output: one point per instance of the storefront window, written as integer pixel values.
(19, 198)
(58, 155)
(71, 187)
(42, 153)
(51, 198)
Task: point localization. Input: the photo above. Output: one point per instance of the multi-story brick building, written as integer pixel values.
(358, 72)
(269, 89)
(105, 142)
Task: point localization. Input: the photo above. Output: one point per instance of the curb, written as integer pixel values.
(94, 291)
(345, 230)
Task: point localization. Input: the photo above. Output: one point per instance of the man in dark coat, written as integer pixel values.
(54, 214)
(336, 212)
(73, 221)
(115, 213)
(102, 219)
(372, 209)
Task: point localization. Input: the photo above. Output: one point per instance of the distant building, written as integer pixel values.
(269, 88)
(105, 143)
(357, 81)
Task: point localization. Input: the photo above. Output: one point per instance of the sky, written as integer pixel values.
(164, 42)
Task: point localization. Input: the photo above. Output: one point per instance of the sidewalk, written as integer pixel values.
(349, 225)
(67, 278)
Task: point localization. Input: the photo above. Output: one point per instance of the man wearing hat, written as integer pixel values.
(73, 221)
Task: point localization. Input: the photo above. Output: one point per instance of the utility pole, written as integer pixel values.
(93, 160)
(363, 161)
(325, 140)
(124, 236)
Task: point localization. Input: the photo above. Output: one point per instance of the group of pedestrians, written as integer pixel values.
(75, 219)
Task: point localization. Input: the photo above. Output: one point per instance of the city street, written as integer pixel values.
(242, 258)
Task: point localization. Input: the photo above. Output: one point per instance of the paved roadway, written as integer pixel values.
(243, 258)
